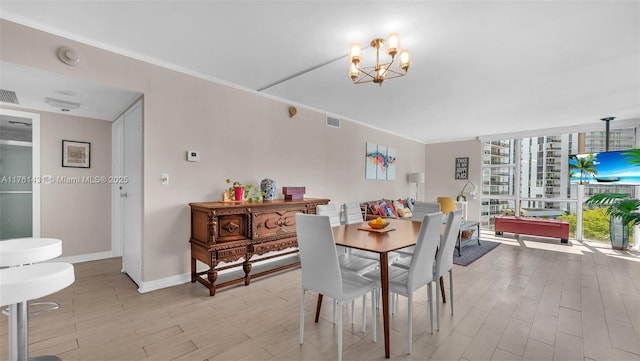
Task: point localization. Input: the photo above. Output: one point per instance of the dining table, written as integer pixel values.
(398, 234)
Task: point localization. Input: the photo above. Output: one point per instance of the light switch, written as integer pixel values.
(165, 179)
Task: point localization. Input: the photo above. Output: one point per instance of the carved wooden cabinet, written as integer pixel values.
(232, 231)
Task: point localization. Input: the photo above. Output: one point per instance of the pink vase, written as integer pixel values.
(238, 193)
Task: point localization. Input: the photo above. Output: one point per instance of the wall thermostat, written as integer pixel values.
(193, 155)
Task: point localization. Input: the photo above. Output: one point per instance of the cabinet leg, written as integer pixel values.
(212, 276)
(246, 267)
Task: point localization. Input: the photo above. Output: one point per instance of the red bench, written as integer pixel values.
(533, 226)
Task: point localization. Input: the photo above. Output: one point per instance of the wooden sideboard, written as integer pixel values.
(231, 231)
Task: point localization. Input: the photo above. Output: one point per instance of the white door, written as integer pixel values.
(130, 191)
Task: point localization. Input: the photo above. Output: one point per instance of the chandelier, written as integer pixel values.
(381, 71)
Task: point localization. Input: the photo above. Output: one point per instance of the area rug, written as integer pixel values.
(473, 251)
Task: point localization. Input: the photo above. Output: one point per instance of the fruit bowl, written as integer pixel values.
(378, 225)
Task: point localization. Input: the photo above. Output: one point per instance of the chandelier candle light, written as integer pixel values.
(381, 71)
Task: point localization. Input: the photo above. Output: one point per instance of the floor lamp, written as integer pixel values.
(416, 178)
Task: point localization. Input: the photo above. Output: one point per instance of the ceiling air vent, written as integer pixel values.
(8, 96)
(333, 122)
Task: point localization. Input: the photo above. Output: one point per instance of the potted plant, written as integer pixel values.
(623, 212)
(239, 191)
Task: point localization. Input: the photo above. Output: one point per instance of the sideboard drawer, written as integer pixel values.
(274, 224)
(231, 254)
(273, 246)
(232, 227)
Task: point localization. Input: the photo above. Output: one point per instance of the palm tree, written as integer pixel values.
(618, 205)
(586, 165)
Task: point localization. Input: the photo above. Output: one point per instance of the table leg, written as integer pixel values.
(318, 306)
(384, 281)
(22, 334)
(444, 298)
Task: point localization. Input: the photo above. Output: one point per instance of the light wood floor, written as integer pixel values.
(525, 300)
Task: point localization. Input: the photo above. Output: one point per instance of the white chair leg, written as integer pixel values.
(374, 300)
(302, 317)
(340, 333)
(393, 303)
(451, 289)
(353, 314)
(430, 299)
(410, 320)
(364, 309)
(437, 303)
(334, 312)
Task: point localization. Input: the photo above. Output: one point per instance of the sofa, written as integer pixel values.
(387, 208)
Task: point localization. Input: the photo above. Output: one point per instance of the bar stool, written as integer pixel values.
(19, 252)
(21, 284)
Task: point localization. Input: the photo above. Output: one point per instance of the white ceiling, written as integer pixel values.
(479, 68)
(34, 87)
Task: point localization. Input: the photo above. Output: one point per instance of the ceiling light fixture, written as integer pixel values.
(381, 71)
(63, 105)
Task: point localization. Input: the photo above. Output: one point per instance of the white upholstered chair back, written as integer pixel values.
(420, 209)
(329, 210)
(352, 213)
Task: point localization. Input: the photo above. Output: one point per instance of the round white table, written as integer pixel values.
(18, 254)
(23, 251)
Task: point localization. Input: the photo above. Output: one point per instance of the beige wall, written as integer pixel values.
(440, 175)
(239, 134)
(80, 214)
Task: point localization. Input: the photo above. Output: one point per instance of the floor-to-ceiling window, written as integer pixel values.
(531, 177)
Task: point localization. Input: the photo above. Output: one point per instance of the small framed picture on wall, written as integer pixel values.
(76, 154)
(462, 168)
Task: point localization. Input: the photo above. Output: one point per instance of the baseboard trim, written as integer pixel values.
(85, 257)
(171, 280)
(222, 275)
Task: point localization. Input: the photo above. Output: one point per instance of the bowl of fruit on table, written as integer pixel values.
(378, 223)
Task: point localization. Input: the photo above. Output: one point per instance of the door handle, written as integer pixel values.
(123, 195)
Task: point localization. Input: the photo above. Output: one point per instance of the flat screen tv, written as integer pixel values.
(611, 168)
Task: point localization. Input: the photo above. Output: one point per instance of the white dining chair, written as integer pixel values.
(404, 281)
(321, 271)
(331, 211)
(444, 258)
(348, 263)
(353, 215)
(420, 209)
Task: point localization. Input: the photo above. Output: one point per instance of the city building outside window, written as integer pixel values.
(533, 173)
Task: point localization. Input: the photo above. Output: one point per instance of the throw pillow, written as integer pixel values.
(405, 213)
(391, 210)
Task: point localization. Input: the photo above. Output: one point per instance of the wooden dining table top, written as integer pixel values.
(400, 234)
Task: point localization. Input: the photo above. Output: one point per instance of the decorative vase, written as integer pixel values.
(619, 234)
(238, 193)
(268, 188)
